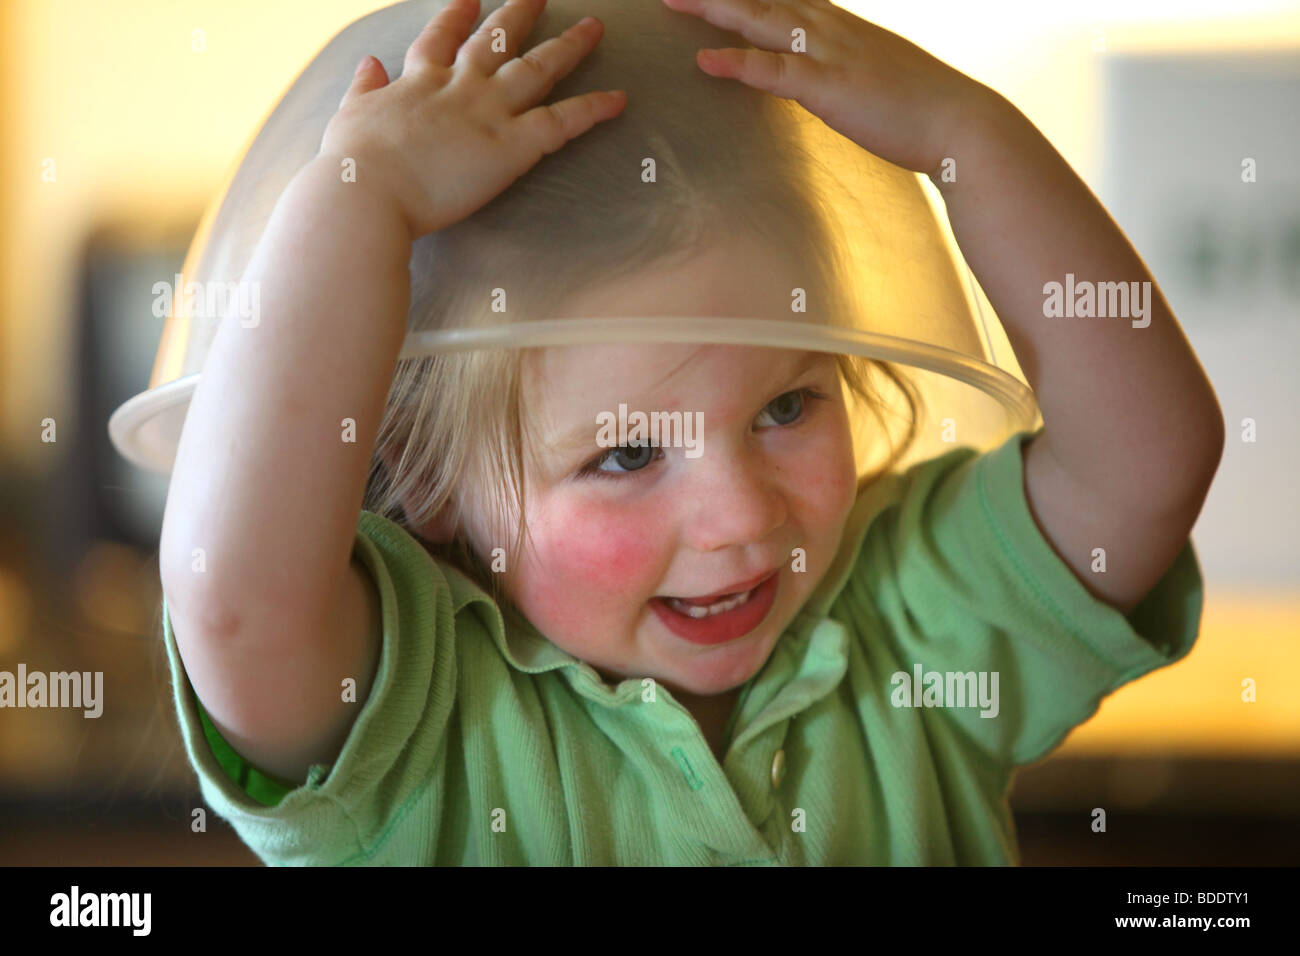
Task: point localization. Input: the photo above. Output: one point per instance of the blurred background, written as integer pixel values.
(122, 120)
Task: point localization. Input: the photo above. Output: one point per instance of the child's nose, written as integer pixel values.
(733, 499)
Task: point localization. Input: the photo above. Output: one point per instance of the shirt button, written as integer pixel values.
(778, 769)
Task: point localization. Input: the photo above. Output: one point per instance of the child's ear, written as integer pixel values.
(441, 528)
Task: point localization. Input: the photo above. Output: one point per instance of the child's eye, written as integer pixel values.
(785, 409)
(631, 457)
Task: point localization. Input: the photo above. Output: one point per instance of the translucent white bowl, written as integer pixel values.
(885, 280)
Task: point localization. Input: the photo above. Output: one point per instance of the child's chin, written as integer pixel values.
(712, 683)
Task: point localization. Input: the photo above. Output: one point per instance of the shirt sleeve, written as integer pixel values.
(342, 810)
(960, 580)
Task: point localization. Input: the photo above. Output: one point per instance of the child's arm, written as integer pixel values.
(265, 486)
(264, 482)
(1133, 433)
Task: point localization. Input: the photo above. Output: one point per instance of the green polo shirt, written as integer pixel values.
(483, 743)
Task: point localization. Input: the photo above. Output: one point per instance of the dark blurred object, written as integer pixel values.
(78, 552)
(101, 495)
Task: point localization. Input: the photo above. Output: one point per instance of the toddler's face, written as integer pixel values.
(615, 530)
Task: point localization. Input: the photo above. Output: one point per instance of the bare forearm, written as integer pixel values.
(1127, 408)
(265, 482)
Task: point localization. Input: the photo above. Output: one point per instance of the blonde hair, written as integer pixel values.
(454, 421)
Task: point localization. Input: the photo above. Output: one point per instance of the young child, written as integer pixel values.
(529, 649)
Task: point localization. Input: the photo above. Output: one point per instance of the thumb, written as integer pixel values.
(370, 75)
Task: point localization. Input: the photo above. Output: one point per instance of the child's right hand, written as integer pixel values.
(455, 129)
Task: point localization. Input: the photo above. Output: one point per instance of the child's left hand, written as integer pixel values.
(887, 95)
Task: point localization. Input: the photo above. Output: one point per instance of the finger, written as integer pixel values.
(370, 75)
(547, 128)
(788, 75)
(441, 37)
(487, 49)
(761, 22)
(528, 78)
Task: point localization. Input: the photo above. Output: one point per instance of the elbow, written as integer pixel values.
(197, 605)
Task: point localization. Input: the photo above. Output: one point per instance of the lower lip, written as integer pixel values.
(719, 628)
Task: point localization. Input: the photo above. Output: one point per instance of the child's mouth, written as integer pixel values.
(724, 619)
(700, 609)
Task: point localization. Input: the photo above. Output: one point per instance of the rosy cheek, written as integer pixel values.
(608, 546)
(828, 474)
(592, 554)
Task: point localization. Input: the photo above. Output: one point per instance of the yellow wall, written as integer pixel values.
(140, 126)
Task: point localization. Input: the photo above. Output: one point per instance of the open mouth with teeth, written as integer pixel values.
(700, 609)
(723, 618)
